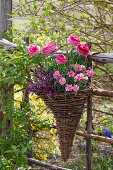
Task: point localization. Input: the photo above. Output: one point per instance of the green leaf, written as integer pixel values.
(24, 149)
(30, 142)
(8, 151)
(11, 81)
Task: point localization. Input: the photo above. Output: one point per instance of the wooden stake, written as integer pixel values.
(89, 130)
(89, 124)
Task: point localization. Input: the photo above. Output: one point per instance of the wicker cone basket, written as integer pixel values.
(67, 112)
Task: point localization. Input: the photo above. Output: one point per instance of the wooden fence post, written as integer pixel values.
(25, 99)
(89, 122)
(5, 15)
(5, 25)
(89, 130)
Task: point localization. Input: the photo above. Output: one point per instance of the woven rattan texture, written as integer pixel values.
(67, 112)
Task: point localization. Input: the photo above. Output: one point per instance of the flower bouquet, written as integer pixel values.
(62, 82)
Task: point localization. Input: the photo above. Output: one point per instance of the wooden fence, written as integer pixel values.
(101, 59)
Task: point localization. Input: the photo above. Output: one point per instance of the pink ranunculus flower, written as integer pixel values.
(79, 77)
(69, 87)
(62, 80)
(90, 73)
(76, 88)
(33, 50)
(71, 73)
(74, 40)
(61, 59)
(80, 68)
(84, 49)
(57, 74)
(49, 49)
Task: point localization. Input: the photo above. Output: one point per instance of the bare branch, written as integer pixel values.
(43, 164)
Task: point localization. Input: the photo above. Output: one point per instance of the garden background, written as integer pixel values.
(29, 127)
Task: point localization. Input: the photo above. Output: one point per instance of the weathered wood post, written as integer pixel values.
(5, 15)
(89, 130)
(25, 99)
(5, 25)
(89, 124)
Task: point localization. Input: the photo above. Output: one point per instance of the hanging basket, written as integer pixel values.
(67, 111)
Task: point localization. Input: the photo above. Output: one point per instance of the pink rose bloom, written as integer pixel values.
(84, 49)
(73, 40)
(71, 73)
(90, 73)
(49, 49)
(57, 74)
(33, 50)
(80, 68)
(75, 88)
(61, 59)
(62, 80)
(79, 77)
(69, 87)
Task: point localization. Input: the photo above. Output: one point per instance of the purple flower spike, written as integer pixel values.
(105, 155)
(84, 147)
(107, 133)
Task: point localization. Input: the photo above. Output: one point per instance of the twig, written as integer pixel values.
(107, 113)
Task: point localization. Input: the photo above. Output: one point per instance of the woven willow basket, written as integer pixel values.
(67, 112)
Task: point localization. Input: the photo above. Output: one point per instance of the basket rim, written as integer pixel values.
(81, 93)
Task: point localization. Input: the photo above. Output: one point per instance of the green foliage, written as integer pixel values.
(48, 21)
(16, 142)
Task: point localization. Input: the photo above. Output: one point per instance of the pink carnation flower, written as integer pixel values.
(75, 67)
(57, 74)
(79, 77)
(49, 49)
(75, 78)
(90, 73)
(69, 87)
(62, 80)
(85, 78)
(61, 59)
(71, 73)
(33, 50)
(75, 88)
(73, 40)
(80, 68)
(84, 49)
